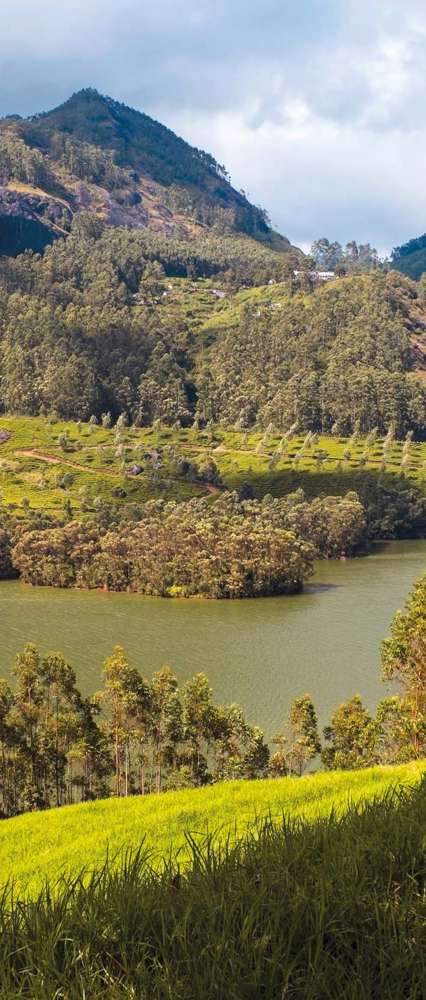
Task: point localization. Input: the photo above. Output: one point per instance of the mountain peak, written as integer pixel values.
(85, 97)
(144, 174)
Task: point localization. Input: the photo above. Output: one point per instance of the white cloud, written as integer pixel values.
(317, 108)
(321, 178)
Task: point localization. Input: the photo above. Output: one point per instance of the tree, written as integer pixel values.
(199, 727)
(422, 288)
(394, 730)
(27, 704)
(209, 472)
(60, 720)
(124, 696)
(256, 754)
(351, 737)
(166, 724)
(9, 754)
(151, 285)
(299, 742)
(404, 662)
(121, 423)
(239, 749)
(326, 255)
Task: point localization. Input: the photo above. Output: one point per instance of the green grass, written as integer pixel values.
(229, 310)
(331, 909)
(39, 846)
(102, 476)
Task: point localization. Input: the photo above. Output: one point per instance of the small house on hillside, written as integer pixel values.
(317, 275)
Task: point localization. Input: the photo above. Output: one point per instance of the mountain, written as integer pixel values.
(410, 258)
(96, 155)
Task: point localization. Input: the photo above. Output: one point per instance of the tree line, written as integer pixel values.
(354, 258)
(140, 736)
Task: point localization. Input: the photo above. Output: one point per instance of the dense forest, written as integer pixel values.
(139, 735)
(86, 329)
(229, 549)
(338, 359)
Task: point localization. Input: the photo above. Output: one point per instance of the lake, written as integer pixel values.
(261, 653)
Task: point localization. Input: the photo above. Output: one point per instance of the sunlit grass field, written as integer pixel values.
(41, 846)
(322, 901)
(36, 471)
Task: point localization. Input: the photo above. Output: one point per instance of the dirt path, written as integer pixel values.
(54, 460)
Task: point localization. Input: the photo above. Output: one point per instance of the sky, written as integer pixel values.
(316, 107)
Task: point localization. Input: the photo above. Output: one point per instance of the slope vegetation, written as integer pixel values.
(41, 846)
(66, 468)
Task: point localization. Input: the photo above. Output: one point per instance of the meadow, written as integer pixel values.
(325, 902)
(43, 846)
(52, 464)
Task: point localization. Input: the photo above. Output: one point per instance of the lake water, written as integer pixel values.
(261, 653)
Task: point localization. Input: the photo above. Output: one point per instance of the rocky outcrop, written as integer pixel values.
(33, 206)
(30, 220)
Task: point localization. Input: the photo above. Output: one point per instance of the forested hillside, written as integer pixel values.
(165, 295)
(113, 319)
(410, 258)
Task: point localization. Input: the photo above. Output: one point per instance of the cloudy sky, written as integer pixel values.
(317, 107)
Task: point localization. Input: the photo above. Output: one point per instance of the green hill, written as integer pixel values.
(114, 319)
(41, 846)
(410, 258)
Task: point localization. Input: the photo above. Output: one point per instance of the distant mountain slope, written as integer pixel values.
(94, 154)
(410, 258)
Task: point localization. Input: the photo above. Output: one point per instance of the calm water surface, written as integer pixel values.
(261, 653)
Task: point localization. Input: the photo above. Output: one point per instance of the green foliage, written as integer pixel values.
(411, 257)
(224, 550)
(337, 359)
(79, 335)
(177, 463)
(352, 259)
(403, 717)
(105, 321)
(150, 737)
(351, 737)
(299, 743)
(18, 162)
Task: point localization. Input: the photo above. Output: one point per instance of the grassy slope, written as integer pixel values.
(330, 910)
(39, 846)
(100, 472)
